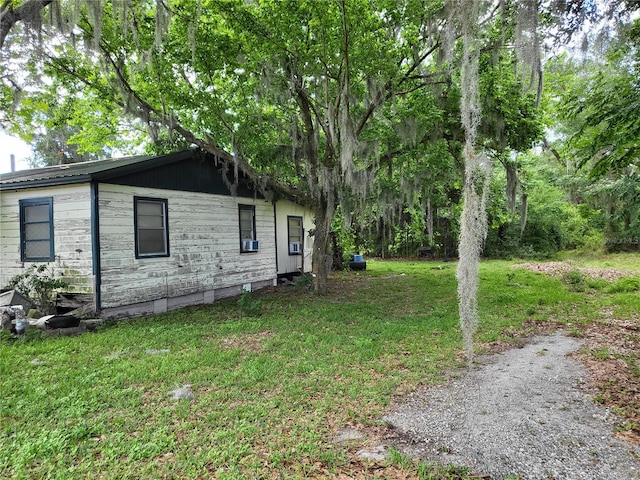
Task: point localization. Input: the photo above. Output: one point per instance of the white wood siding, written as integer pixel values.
(204, 246)
(71, 233)
(292, 263)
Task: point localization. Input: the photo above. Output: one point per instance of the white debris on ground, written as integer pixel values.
(348, 434)
(116, 355)
(180, 393)
(377, 454)
(153, 351)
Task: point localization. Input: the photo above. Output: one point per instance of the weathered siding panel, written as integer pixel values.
(71, 233)
(292, 263)
(204, 245)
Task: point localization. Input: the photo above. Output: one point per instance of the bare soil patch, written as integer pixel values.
(561, 268)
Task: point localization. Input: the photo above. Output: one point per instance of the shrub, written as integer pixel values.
(593, 243)
(575, 280)
(597, 283)
(625, 285)
(305, 281)
(544, 235)
(38, 283)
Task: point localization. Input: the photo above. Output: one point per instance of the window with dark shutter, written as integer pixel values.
(36, 230)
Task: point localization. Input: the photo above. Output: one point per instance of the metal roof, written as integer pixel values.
(85, 171)
(139, 170)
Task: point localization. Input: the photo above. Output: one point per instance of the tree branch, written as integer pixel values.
(388, 89)
(554, 152)
(9, 16)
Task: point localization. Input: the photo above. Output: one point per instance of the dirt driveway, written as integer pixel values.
(521, 414)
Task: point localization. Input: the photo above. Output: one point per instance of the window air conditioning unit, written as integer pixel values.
(295, 247)
(250, 245)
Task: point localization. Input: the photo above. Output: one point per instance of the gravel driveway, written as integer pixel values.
(519, 414)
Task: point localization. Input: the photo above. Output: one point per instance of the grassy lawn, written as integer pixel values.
(270, 391)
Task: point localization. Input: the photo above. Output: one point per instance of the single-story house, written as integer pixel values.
(143, 235)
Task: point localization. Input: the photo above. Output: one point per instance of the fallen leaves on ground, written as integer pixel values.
(557, 269)
(610, 354)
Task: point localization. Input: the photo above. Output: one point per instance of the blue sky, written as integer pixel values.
(20, 149)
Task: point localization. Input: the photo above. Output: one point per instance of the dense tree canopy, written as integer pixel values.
(388, 111)
(286, 90)
(600, 106)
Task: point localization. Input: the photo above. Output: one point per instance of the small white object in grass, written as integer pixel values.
(116, 355)
(182, 392)
(153, 351)
(37, 361)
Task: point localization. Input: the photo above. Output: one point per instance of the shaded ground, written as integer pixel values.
(563, 407)
(520, 414)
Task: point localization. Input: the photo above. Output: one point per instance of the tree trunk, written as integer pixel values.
(322, 259)
(430, 221)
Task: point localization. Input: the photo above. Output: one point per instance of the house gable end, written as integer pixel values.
(192, 174)
(188, 170)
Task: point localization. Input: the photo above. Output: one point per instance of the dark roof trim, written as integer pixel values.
(116, 169)
(101, 170)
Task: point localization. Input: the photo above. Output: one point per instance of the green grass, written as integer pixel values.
(620, 261)
(270, 390)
